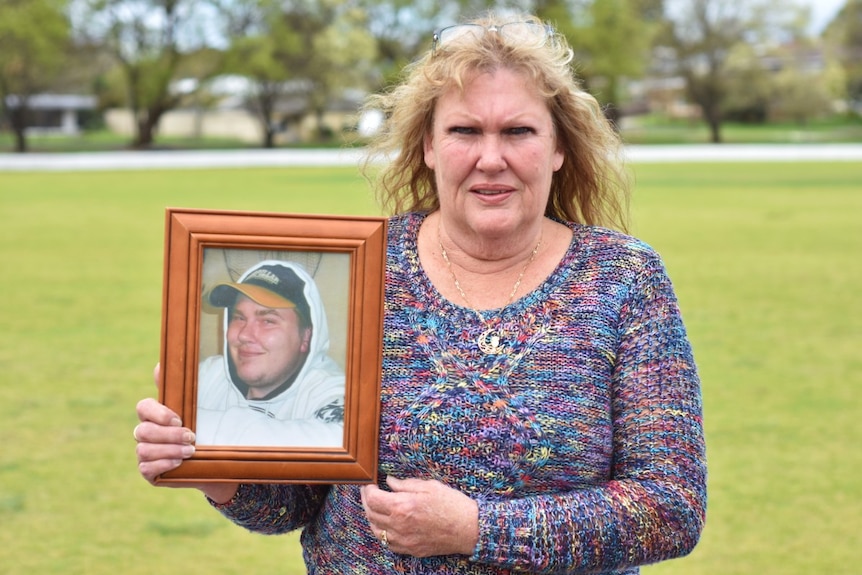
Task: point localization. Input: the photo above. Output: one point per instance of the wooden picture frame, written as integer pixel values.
(357, 245)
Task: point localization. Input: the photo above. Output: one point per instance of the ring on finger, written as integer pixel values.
(384, 540)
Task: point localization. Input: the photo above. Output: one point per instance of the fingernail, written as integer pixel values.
(176, 422)
(189, 437)
(188, 450)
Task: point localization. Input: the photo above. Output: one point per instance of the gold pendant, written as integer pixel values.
(489, 342)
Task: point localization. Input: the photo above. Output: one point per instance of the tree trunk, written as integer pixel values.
(20, 142)
(322, 130)
(268, 137)
(264, 106)
(144, 137)
(715, 131)
(147, 124)
(713, 119)
(18, 117)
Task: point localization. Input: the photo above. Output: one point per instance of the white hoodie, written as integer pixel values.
(307, 414)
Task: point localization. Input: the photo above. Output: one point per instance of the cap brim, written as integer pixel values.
(224, 295)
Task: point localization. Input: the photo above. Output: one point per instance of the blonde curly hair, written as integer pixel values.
(591, 187)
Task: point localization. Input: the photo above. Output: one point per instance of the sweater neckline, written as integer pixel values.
(424, 289)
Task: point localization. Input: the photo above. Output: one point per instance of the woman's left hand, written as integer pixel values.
(422, 517)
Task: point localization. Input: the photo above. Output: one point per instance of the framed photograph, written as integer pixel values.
(272, 330)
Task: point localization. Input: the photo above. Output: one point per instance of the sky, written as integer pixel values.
(822, 11)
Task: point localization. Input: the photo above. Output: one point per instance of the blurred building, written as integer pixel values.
(225, 107)
(64, 114)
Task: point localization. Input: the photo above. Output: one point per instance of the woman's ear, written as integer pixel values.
(428, 146)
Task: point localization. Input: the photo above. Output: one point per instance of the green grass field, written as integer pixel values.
(765, 259)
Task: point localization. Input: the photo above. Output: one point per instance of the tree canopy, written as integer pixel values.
(34, 39)
(741, 59)
(844, 39)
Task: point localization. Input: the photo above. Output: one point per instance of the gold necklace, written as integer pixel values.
(489, 341)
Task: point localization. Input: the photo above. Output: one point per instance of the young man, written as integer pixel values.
(275, 384)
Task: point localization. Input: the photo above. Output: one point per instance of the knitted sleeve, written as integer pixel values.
(653, 506)
(273, 508)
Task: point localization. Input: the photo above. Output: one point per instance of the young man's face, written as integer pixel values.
(268, 346)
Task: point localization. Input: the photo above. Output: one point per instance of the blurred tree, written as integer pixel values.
(342, 58)
(806, 82)
(801, 96)
(784, 77)
(615, 39)
(298, 50)
(702, 34)
(149, 39)
(34, 39)
(261, 46)
(748, 83)
(402, 30)
(843, 37)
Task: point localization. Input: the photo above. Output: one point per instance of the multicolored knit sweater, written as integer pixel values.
(582, 441)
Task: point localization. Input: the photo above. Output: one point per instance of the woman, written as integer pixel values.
(541, 409)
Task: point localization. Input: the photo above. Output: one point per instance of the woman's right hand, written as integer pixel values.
(163, 443)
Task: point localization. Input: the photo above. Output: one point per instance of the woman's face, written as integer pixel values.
(493, 151)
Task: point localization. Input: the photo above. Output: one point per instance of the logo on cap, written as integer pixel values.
(263, 275)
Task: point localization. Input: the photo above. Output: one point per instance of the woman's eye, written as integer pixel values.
(520, 131)
(462, 130)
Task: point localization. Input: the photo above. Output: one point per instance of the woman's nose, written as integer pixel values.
(491, 154)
